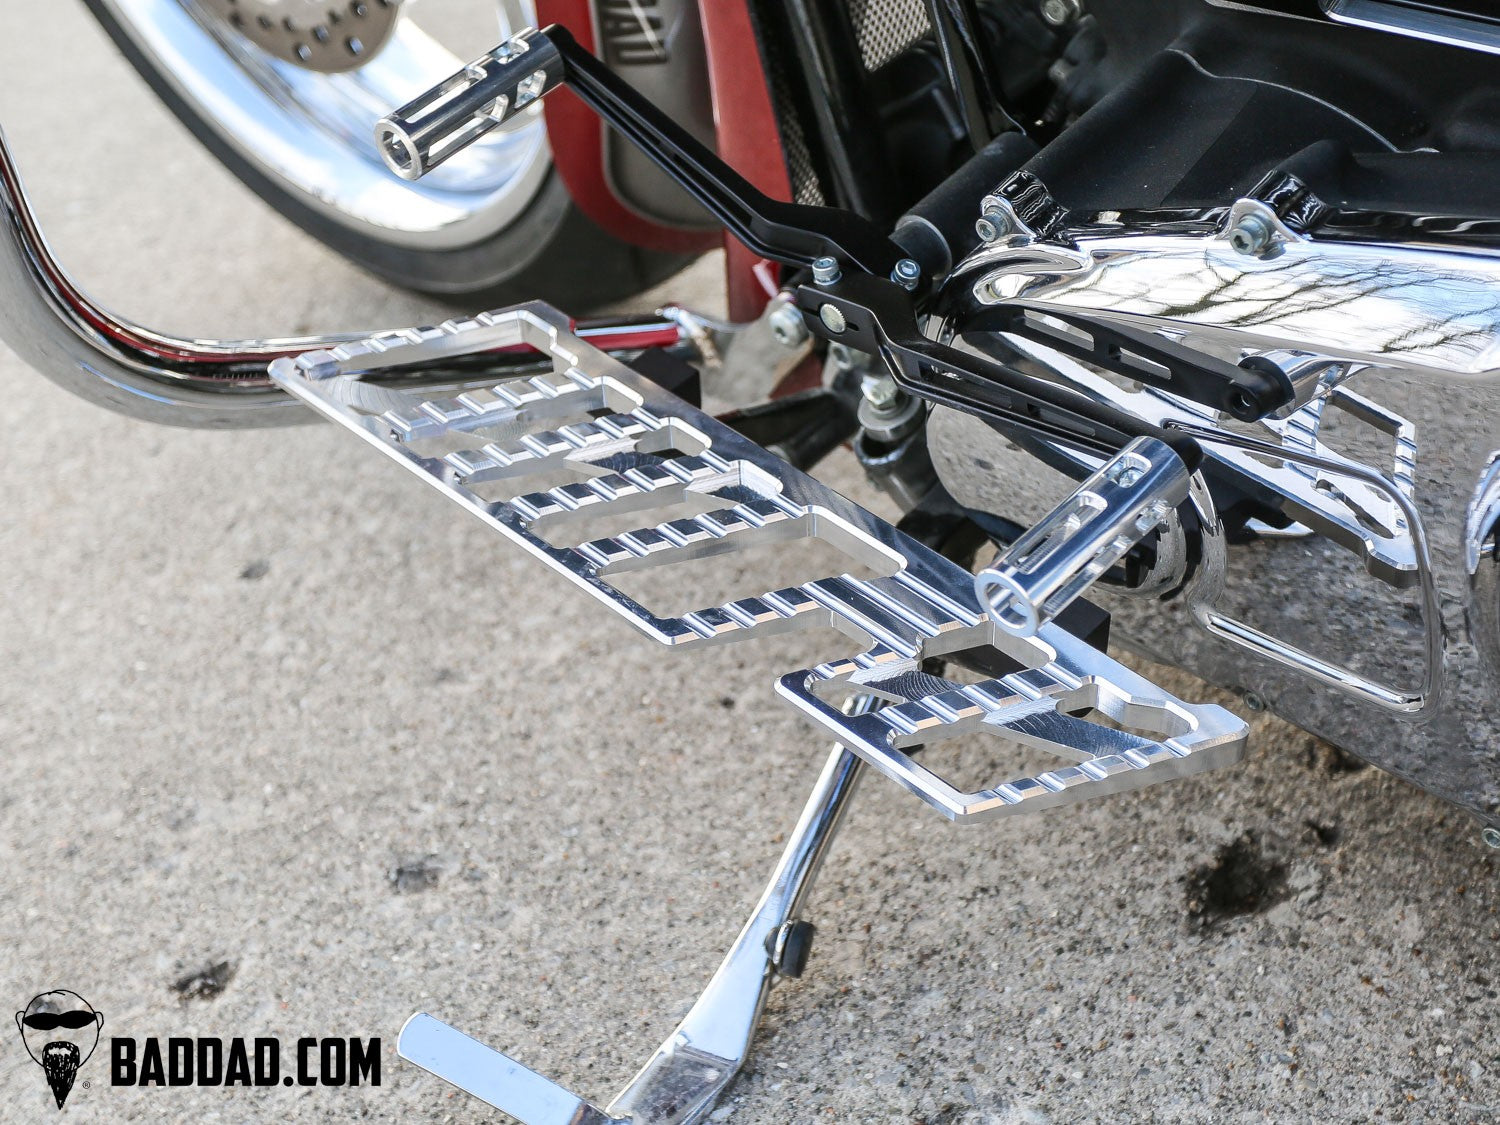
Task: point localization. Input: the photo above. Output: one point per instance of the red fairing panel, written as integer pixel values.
(746, 135)
(577, 138)
(749, 140)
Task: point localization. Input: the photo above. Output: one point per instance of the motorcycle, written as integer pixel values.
(1141, 311)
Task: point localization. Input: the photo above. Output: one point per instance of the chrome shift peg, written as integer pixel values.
(1051, 565)
(488, 92)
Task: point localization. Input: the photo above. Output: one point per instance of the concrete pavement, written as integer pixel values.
(265, 703)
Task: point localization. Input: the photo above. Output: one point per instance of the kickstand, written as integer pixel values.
(690, 1071)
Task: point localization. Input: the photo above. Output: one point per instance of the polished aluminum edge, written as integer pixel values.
(922, 606)
(1432, 24)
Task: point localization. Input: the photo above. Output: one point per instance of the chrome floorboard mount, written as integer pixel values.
(627, 446)
(1370, 514)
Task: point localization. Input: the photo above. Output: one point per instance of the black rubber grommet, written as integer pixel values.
(796, 948)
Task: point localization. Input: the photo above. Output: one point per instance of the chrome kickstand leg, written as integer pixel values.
(686, 1076)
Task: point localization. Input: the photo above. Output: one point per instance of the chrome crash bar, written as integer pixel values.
(55, 327)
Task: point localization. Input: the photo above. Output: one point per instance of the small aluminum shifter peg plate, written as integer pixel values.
(1051, 565)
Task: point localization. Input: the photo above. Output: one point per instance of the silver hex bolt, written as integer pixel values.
(907, 273)
(880, 391)
(825, 270)
(993, 225)
(787, 326)
(1251, 234)
(1060, 13)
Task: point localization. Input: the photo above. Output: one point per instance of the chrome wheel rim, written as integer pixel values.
(312, 132)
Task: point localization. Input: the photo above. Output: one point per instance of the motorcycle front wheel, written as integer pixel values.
(285, 94)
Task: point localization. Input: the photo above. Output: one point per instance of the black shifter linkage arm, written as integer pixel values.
(423, 133)
(877, 316)
(873, 313)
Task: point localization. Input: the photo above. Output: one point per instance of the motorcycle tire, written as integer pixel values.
(533, 244)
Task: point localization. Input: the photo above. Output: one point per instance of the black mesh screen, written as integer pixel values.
(884, 28)
(887, 27)
(805, 186)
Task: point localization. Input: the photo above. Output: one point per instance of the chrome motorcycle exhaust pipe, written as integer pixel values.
(52, 324)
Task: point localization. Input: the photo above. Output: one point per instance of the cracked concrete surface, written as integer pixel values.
(265, 702)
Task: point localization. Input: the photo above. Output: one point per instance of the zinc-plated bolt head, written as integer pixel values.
(832, 319)
(907, 273)
(1491, 836)
(993, 225)
(1252, 234)
(1254, 702)
(1058, 13)
(880, 391)
(826, 270)
(788, 327)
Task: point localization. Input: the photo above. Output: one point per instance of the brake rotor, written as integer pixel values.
(329, 36)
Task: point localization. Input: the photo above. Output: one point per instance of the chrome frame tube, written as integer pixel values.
(55, 327)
